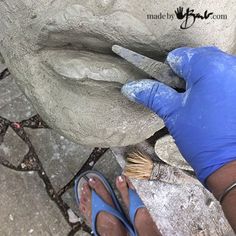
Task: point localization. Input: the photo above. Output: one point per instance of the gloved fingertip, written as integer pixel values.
(132, 89)
(178, 58)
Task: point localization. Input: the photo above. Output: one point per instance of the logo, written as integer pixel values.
(190, 17)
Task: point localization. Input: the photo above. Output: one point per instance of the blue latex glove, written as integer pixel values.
(203, 119)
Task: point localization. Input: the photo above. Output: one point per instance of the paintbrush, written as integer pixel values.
(141, 166)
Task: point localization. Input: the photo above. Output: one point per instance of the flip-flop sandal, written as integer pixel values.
(98, 203)
(135, 203)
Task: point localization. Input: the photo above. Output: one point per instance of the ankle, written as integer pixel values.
(144, 223)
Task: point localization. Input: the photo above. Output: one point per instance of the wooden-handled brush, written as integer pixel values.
(141, 166)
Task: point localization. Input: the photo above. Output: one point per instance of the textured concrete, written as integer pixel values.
(181, 207)
(12, 100)
(167, 151)
(75, 95)
(26, 209)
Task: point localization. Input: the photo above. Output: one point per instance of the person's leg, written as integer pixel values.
(144, 224)
(106, 223)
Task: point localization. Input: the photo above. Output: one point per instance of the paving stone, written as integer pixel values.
(26, 208)
(13, 104)
(8, 91)
(61, 158)
(21, 105)
(13, 147)
(109, 167)
(69, 198)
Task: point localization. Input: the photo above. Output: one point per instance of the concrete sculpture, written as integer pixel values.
(60, 54)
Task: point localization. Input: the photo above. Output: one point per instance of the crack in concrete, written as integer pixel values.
(4, 73)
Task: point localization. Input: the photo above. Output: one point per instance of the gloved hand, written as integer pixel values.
(203, 119)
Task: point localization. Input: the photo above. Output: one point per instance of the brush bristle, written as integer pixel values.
(138, 166)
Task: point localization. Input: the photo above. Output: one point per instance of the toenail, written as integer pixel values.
(92, 180)
(120, 179)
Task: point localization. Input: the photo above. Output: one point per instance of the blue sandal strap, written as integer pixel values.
(106, 184)
(98, 205)
(135, 203)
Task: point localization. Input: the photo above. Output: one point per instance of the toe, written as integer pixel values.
(83, 196)
(143, 220)
(86, 192)
(101, 190)
(86, 188)
(130, 185)
(82, 208)
(85, 199)
(107, 224)
(122, 186)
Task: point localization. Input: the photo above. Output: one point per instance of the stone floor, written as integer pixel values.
(27, 209)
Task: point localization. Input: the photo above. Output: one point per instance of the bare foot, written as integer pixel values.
(106, 223)
(144, 224)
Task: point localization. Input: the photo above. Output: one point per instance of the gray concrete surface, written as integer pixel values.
(180, 206)
(26, 209)
(60, 51)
